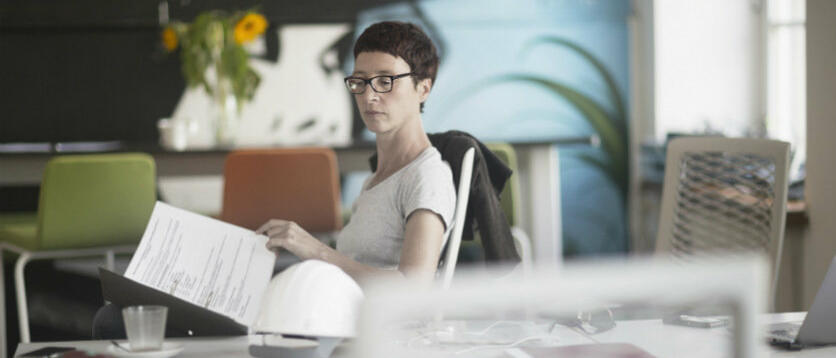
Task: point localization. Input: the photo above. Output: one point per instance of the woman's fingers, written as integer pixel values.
(287, 235)
(285, 228)
(270, 224)
(274, 244)
(279, 233)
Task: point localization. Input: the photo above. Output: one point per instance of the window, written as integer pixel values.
(786, 77)
(709, 67)
(732, 67)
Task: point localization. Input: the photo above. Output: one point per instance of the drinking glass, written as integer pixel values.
(145, 326)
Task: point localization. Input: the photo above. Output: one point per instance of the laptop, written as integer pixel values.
(819, 327)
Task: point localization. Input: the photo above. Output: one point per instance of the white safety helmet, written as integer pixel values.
(306, 310)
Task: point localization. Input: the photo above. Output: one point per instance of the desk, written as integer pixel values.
(651, 335)
(216, 347)
(660, 339)
(538, 171)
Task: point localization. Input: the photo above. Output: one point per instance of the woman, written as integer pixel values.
(399, 222)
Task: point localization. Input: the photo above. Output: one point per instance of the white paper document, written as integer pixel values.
(210, 263)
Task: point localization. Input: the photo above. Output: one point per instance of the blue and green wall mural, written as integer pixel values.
(534, 70)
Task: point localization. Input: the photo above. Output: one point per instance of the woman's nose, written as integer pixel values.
(369, 94)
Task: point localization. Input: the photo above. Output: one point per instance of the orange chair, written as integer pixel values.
(297, 184)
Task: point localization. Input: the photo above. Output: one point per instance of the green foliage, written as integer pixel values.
(610, 126)
(210, 42)
(620, 114)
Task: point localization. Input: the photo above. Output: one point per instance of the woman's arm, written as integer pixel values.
(423, 237)
(422, 242)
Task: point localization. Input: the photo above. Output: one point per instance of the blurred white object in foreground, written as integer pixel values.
(306, 311)
(397, 320)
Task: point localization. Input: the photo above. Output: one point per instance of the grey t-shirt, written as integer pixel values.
(375, 233)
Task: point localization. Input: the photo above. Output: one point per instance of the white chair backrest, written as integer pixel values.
(724, 196)
(454, 241)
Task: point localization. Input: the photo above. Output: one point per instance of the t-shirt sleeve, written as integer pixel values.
(430, 188)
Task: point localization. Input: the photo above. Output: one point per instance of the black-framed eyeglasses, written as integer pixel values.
(380, 84)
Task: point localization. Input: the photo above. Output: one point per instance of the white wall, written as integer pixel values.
(293, 91)
(820, 244)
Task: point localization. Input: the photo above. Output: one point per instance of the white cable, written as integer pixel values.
(486, 330)
(422, 335)
(482, 332)
(511, 345)
(584, 333)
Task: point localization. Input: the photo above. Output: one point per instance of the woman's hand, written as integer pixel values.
(292, 237)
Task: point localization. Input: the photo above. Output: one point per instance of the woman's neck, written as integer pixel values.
(398, 148)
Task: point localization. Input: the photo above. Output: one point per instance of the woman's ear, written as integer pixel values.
(424, 88)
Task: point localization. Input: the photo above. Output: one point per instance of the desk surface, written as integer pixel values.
(13, 149)
(651, 335)
(23, 163)
(194, 347)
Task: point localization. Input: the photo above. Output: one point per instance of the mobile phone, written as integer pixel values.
(695, 321)
(47, 352)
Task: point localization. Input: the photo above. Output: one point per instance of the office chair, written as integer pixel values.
(297, 184)
(89, 205)
(724, 196)
(451, 255)
(510, 200)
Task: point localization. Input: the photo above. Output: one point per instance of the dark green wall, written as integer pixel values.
(95, 69)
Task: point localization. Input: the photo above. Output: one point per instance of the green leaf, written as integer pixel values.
(612, 86)
(610, 126)
(605, 167)
(613, 139)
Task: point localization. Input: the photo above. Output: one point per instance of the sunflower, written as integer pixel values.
(169, 39)
(251, 26)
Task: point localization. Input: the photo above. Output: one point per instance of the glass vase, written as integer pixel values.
(225, 113)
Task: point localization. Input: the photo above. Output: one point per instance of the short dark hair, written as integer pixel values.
(404, 40)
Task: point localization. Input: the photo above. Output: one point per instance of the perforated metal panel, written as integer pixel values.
(724, 203)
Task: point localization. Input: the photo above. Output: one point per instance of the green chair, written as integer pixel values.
(509, 198)
(89, 205)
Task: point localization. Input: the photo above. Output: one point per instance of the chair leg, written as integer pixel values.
(110, 260)
(2, 307)
(20, 287)
(524, 244)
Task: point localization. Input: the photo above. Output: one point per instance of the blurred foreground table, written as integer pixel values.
(658, 339)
